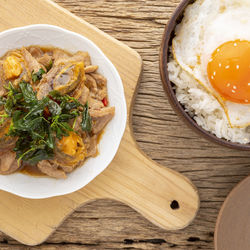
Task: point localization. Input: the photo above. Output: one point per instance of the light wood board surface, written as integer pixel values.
(107, 224)
(163, 196)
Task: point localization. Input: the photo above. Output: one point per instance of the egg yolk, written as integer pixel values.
(229, 71)
(12, 67)
(70, 144)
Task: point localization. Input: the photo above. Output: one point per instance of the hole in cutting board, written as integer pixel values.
(175, 205)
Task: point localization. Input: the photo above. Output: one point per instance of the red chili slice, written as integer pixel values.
(105, 101)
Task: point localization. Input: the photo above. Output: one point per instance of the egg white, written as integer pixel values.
(206, 25)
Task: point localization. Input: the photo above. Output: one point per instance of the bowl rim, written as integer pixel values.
(167, 85)
(123, 106)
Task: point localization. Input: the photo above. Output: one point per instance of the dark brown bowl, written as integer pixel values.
(168, 86)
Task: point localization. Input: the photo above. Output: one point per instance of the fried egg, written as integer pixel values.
(212, 43)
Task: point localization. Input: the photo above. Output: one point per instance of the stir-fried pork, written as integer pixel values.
(48, 69)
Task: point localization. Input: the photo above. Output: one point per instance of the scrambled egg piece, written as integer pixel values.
(12, 67)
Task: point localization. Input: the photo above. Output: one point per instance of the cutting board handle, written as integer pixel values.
(163, 196)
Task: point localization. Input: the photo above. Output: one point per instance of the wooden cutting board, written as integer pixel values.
(163, 196)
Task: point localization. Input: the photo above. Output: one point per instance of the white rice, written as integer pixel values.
(203, 107)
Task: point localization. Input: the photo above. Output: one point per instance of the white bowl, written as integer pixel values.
(48, 35)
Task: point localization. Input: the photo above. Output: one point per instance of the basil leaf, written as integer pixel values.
(35, 154)
(65, 126)
(39, 155)
(66, 117)
(50, 141)
(86, 123)
(38, 75)
(2, 100)
(28, 92)
(38, 108)
(54, 108)
(10, 102)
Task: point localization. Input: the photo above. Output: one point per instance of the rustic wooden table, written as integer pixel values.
(215, 170)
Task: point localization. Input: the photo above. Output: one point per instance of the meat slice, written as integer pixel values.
(43, 90)
(30, 62)
(40, 56)
(78, 91)
(6, 142)
(51, 169)
(82, 57)
(90, 142)
(101, 83)
(100, 80)
(45, 60)
(46, 84)
(8, 163)
(100, 118)
(2, 80)
(91, 84)
(35, 52)
(68, 169)
(59, 56)
(95, 104)
(91, 69)
(91, 146)
(101, 93)
(84, 95)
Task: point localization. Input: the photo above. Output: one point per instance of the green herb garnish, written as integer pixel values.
(86, 119)
(27, 92)
(37, 123)
(38, 75)
(2, 100)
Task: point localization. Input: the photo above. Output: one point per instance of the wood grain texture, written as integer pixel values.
(131, 177)
(215, 170)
